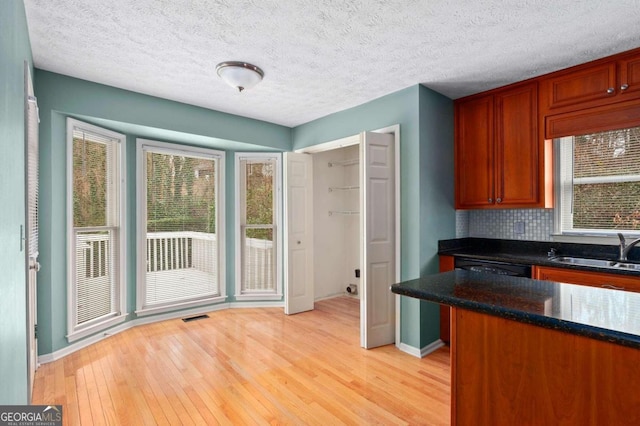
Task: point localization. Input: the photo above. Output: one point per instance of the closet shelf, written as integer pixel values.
(344, 162)
(343, 212)
(342, 188)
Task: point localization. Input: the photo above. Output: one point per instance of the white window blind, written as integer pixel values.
(600, 182)
(32, 178)
(257, 218)
(96, 209)
(181, 226)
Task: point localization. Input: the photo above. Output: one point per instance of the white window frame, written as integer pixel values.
(255, 296)
(564, 182)
(142, 146)
(75, 332)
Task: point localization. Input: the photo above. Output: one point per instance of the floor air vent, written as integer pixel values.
(195, 318)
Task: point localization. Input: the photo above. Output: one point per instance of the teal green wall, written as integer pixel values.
(426, 183)
(135, 115)
(14, 51)
(426, 152)
(397, 108)
(437, 212)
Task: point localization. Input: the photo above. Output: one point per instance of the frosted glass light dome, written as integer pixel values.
(239, 75)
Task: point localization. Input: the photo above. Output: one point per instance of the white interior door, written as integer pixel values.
(378, 222)
(298, 231)
(33, 266)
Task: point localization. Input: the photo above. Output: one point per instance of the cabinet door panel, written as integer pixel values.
(593, 279)
(517, 151)
(629, 78)
(474, 153)
(578, 87)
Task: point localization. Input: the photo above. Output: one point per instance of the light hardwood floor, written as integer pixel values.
(248, 366)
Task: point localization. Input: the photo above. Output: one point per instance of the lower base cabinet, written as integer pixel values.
(506, 372)
(594, 279)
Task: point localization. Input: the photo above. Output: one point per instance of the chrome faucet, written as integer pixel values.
(625, 247)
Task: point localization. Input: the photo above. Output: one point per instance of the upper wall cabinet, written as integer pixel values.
(595, 84)
(499, 156)
(599, 96)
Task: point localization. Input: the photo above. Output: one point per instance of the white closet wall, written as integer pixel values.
(336, 235)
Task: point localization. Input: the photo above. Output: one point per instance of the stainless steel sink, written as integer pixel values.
(597, 263)
(626, 265)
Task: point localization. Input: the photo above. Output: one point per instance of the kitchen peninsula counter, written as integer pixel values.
(536, 352)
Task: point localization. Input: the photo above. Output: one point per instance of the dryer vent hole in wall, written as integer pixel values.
(195, 318)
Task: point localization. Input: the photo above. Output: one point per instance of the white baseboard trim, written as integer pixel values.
(333, 296)
(90, 340)
(421, 353)
(431, 347)
(80, 344)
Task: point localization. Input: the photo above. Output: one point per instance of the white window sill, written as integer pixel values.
(84, 332)
(587, 238)
(178, 306)
(258, 297)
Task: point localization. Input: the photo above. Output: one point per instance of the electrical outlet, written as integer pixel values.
(518, 228)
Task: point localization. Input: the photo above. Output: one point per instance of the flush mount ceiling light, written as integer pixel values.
(239, 75)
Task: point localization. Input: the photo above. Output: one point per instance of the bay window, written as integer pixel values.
(95, 221)
(257, 233)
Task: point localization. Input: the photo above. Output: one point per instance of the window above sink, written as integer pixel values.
(598, 183)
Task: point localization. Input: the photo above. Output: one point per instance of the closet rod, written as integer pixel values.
(343, 212)
(342, 188)
(344, 162)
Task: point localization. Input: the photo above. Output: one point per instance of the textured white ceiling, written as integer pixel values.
(321, 56)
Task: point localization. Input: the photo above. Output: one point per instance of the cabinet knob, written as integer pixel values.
(498, 200)
(624, 87)
(490, 200)
(610, 90)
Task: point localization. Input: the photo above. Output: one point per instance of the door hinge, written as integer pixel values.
(35, 331)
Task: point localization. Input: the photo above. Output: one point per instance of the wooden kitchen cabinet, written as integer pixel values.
(598, 83)
(500, 159)
(474, 153)
(594, 279)
(505, 372)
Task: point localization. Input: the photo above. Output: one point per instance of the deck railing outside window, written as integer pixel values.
(168, 252)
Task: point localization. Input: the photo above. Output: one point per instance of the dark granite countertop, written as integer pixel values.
(535, 252)
(603, 314)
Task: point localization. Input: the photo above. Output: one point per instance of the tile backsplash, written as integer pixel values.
(512, 224)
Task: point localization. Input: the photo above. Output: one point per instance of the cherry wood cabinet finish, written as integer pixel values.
(594, 279)
(446, 264)
(503, 146)
(609, 117)
(593, 85)
(518, 171)
(602, 82)
(506, 372)
(499, 161)
(597, 96)
(629, 76)
(474, 153)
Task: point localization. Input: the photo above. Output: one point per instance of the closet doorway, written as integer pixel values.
(342, 228)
